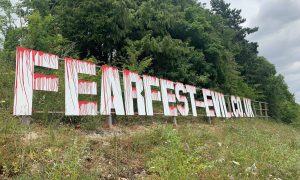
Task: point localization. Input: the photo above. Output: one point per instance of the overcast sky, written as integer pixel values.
(278, 36)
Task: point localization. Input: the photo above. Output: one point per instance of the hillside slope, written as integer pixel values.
(234, 149)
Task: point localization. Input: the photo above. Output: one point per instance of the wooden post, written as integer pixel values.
(209, 119)
(228, 104)
(25, 120)
(109, 117)
(254, 109)
(260, 109)
(109, 121)
(174, 121)
(266, 110)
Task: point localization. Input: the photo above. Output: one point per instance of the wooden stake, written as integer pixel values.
(109, 121)
(174, 121)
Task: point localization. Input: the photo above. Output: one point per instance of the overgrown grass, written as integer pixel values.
(243, 149)
(240, 149)
(38, 152)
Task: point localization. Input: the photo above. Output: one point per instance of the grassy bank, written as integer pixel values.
(235, 149)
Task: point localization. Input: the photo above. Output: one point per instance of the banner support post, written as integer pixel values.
(209, 119)
(109, 121)
(174, 121)
(26, 120)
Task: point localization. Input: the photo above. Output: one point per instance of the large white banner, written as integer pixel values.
(135, 95)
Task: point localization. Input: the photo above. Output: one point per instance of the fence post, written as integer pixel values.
(266, 110)
(254, 108)
(260, 109)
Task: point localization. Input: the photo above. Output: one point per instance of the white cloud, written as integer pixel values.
(278, 36)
